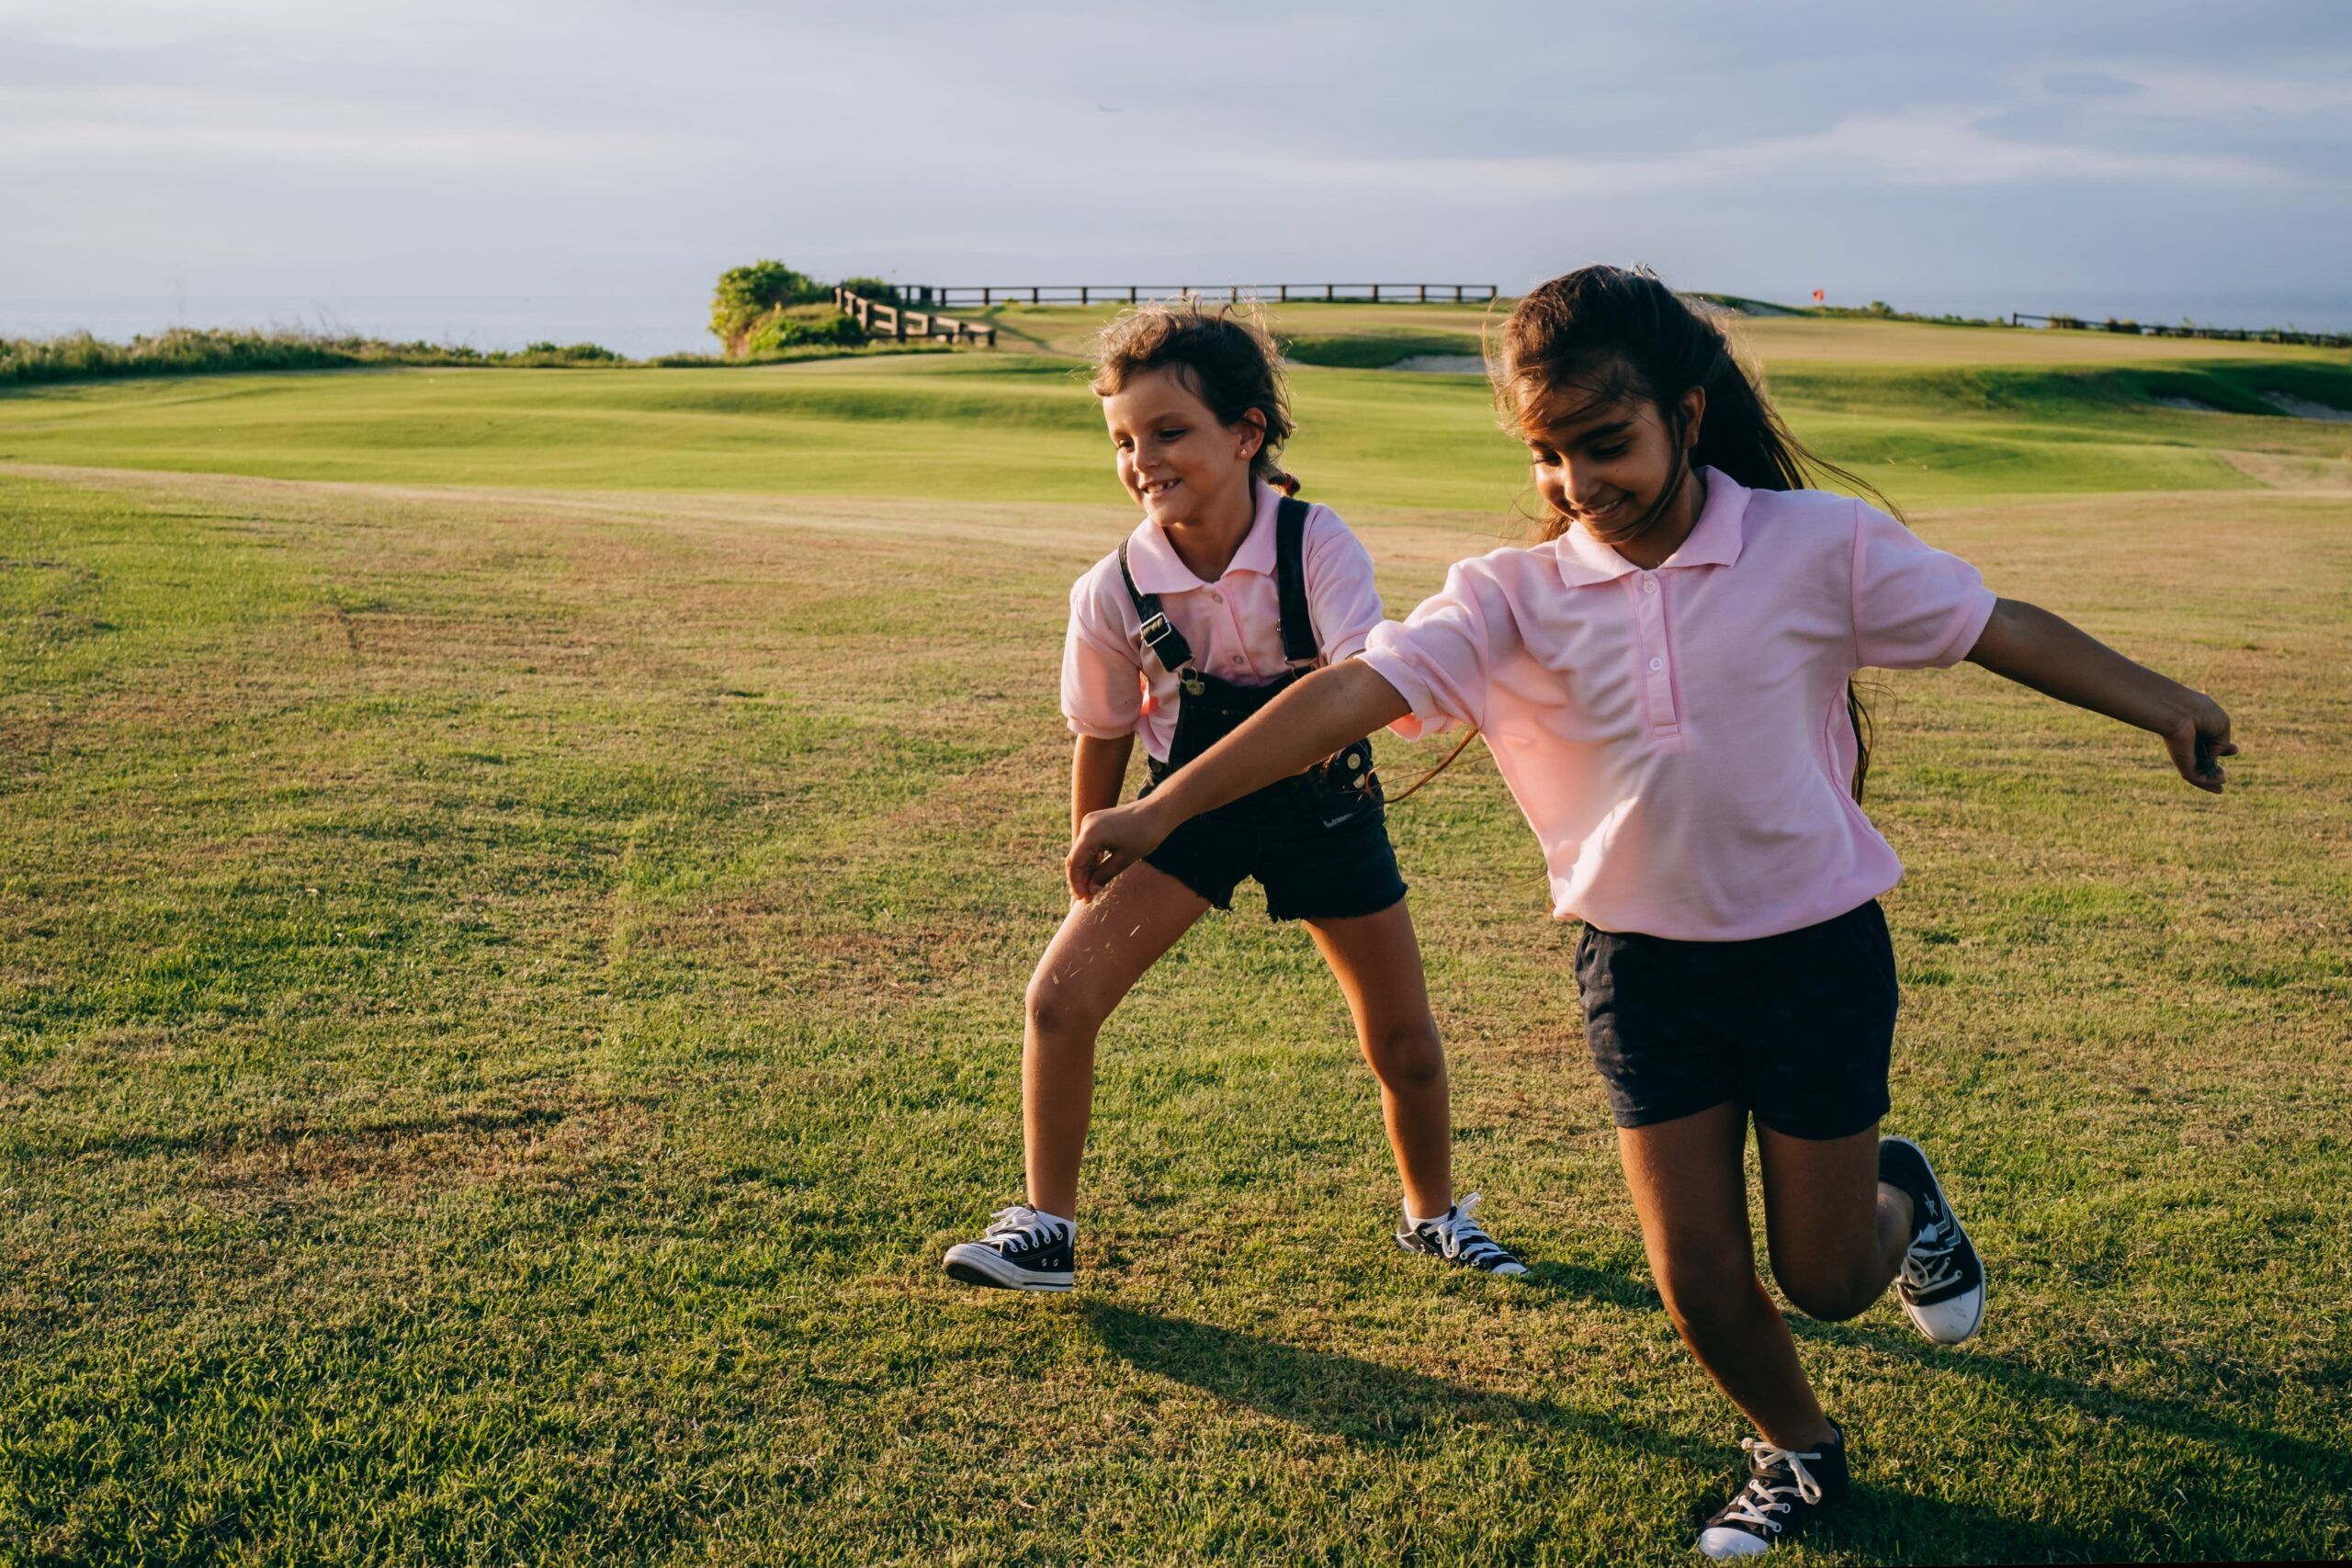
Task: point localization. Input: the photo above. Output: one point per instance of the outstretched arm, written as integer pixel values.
(1306, 724)
(2036, 648)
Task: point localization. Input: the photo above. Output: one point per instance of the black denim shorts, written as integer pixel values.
(1795, 1027)
(1311, 870)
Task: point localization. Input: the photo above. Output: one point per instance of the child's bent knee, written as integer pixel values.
(1832, 1301)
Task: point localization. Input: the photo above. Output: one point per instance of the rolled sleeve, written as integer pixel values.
(1340, 594)
(1916, 607)
(1101, 680)
(1438, 657)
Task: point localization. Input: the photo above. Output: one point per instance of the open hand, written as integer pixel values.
(1108, 842)
(2198, 741)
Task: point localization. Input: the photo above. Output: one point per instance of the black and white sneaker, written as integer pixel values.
(1456, 1237)
(1786, 1490)
(1021, 1250)
(1943, 1282)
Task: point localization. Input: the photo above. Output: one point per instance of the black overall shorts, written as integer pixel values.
(1317, 843)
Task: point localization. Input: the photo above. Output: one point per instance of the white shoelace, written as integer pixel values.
(1019, 1228)
(1462, 1235)
(1928, 1263)
(1759, 1499)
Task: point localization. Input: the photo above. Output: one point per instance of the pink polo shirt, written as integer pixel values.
(1677, 739)
(1112, 685)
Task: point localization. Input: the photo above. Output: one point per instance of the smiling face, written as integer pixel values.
(1606, 463)
(1176, 458)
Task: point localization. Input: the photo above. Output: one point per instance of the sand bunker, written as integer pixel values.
(1443, 364)
(2303, 408)
(2191, 405)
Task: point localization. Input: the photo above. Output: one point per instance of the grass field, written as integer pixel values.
(516, 889)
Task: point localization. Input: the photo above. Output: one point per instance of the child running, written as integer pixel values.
(1664, 685)
(1222, 596)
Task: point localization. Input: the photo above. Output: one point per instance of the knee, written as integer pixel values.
(1828, 1298)
(1708, 1303)
(1059, 1007)
(1405, 1056)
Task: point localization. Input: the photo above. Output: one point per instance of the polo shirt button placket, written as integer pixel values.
(1649, 613)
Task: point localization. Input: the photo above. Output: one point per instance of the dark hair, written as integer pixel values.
(1603, 334)
(1227, 359)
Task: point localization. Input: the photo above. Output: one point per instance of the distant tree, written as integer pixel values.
(746, 296)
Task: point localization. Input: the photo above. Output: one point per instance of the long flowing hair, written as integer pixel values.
(1602, 334)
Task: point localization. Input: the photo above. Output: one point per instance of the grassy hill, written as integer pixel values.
(1918, 407)
(510, 973)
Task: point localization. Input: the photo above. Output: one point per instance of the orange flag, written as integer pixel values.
(1818, 298)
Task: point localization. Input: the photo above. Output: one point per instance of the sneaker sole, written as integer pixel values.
(981, 1265)
(1981, 1291)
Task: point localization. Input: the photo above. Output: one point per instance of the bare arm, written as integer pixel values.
(2036, 648)
(1097, 769)
(1306, 724)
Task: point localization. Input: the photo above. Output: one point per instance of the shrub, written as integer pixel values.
(571, 352)
(800, 327)
(880, 290)
(746, 296)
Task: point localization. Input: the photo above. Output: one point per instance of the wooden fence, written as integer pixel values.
(985, 295)
(2153, 329)
(899, 322)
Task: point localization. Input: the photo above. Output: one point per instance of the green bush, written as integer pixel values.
(880, 290)
(746, 296)
(802, 326)
(571, 353)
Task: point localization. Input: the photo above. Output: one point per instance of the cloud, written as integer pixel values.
(2089, 85)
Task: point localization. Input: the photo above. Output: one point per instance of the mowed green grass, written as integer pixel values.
(508, 980)
(1938, 422)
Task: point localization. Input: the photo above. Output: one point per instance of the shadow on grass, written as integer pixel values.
(2330, 1466)
(1386, 1407)
(1361, 1400)
(2324, 1466)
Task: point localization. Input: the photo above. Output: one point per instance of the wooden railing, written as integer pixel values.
(898, 322)
(988, 294)
(2155, 329)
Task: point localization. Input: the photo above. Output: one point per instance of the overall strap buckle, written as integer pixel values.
(1159, 633)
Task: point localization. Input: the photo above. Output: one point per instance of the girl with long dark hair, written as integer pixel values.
(1665, 682)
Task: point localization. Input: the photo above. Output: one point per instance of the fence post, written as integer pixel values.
(1327, 290)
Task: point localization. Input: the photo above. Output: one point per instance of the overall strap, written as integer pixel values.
(1299, 644)
(1159, 633)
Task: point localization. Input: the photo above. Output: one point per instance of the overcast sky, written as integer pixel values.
(303, 150)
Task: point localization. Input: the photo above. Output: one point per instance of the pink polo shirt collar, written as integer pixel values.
(1158, 568)
(1714, 540)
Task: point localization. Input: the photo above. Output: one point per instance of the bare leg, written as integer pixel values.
(1837, 1233)
(1378, 963)
(1100, 951)
(1690, 1188)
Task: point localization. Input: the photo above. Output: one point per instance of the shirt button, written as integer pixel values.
(1649, 585)
(1213, 594)
(1657, 664)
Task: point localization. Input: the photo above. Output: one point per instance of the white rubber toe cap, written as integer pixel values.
(1948, 1322)
(1720, 1541)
